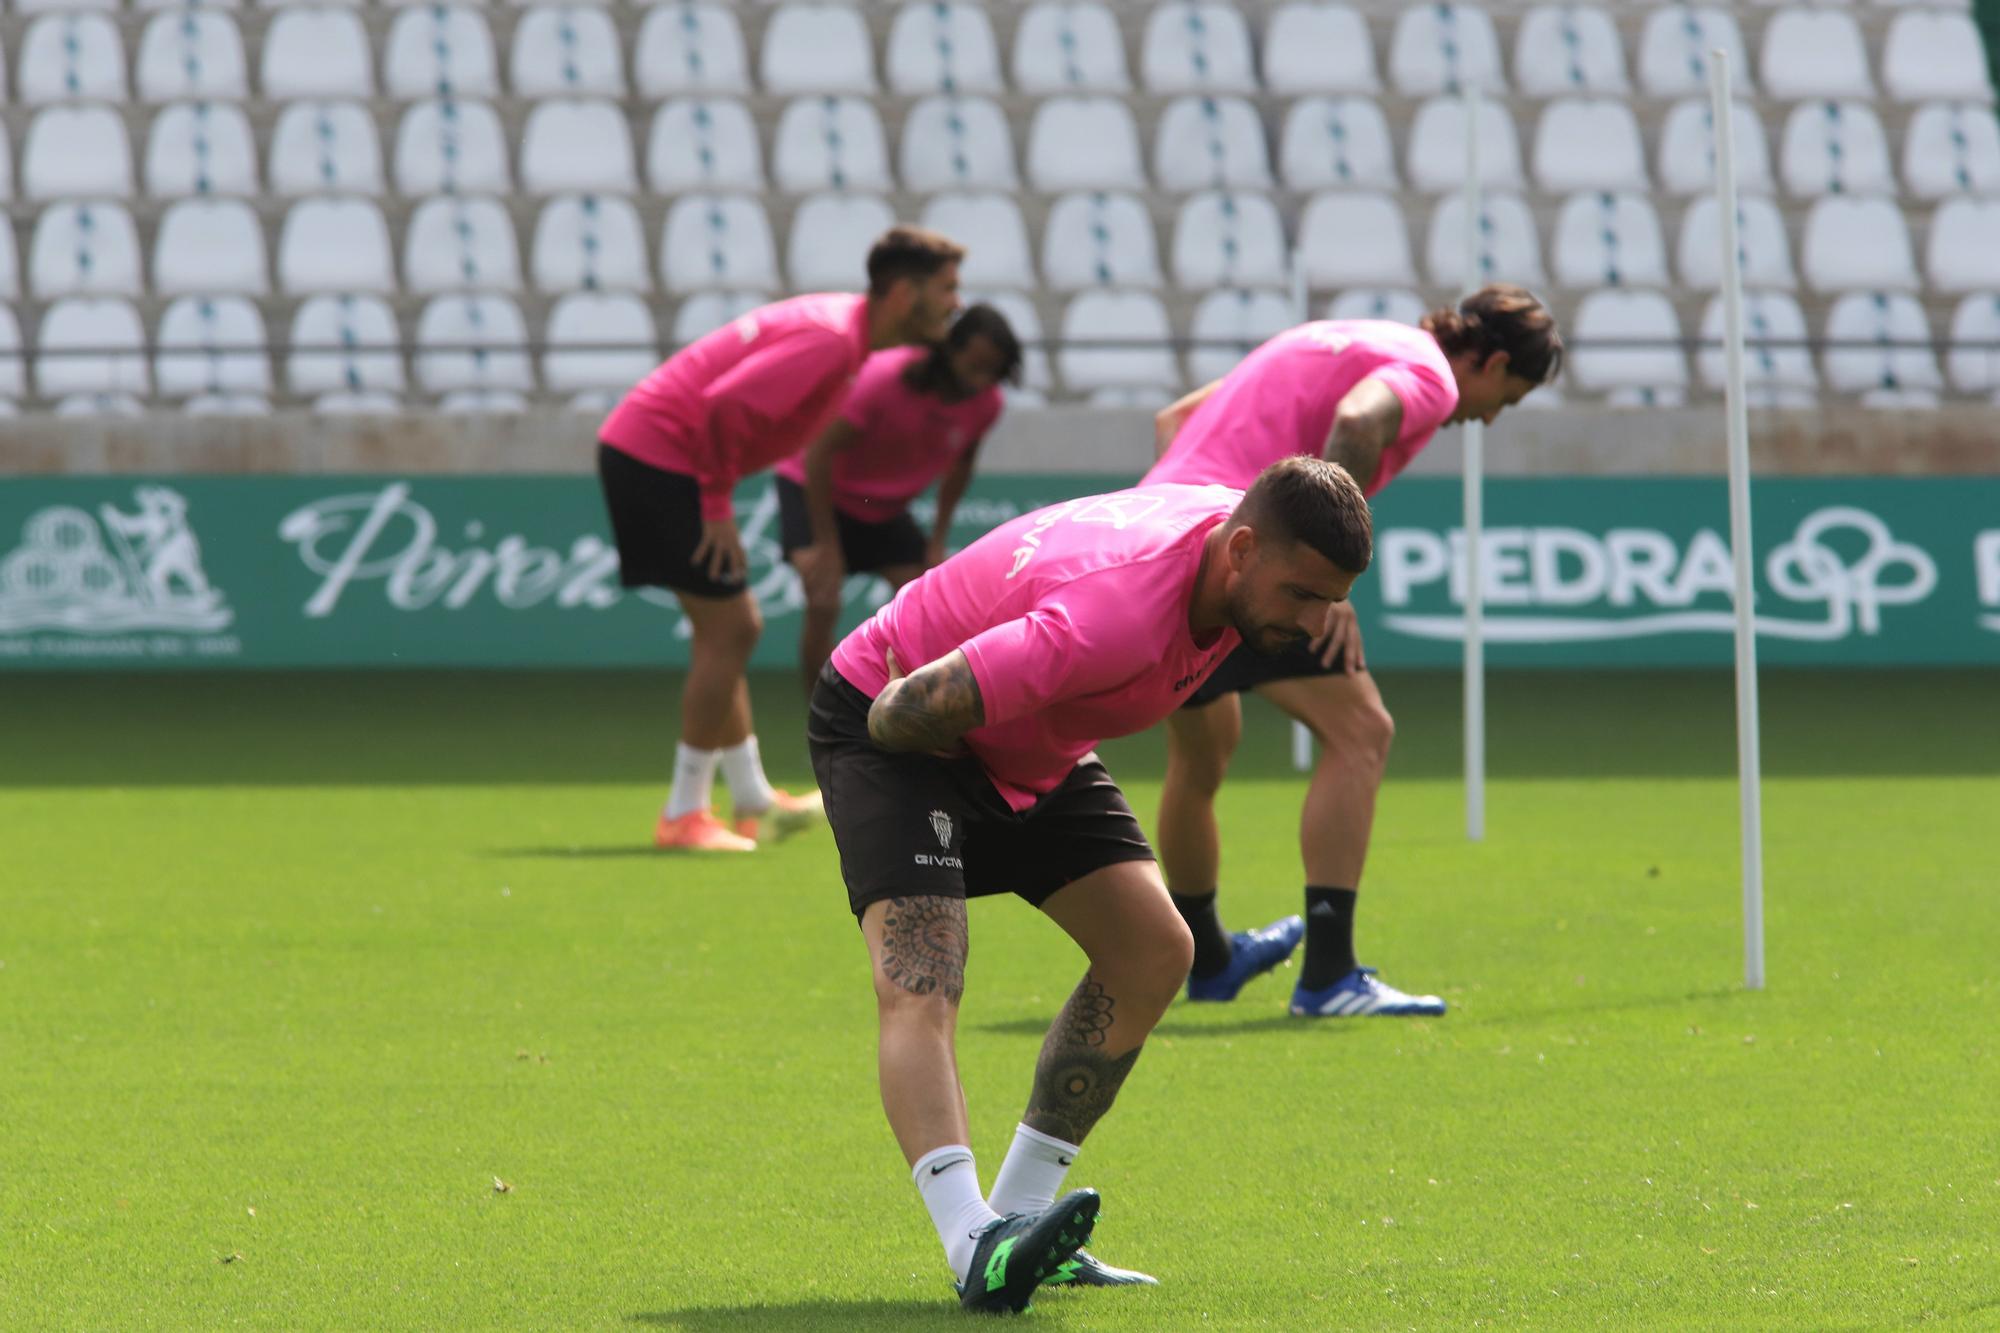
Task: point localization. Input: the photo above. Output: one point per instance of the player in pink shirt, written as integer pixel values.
(1367, 395)
(916, 414)
(725, 406)
(976, 774)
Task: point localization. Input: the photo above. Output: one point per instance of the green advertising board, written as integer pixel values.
(517, 571)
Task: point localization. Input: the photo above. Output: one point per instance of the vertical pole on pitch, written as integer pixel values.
(1302, 737)
(1475, 480)
(1749, 764)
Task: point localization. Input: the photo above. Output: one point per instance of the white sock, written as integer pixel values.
(1033, 1172)
(949, 1183)
(694, 774)
(743, 770)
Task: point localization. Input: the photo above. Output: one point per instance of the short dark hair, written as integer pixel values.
(983, 321)
(908, 252)
(1501, 317)
(1310, 500)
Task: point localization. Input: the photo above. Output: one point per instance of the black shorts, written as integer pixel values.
(864, 546)
(656, 521)
(1246, 669)
(911, 825)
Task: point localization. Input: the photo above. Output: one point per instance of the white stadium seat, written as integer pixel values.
(1674, 47)
(446, 144)
(1108, 316)
(1192, 46)
(1437, 146)
(1858, 244)
(74, 152)
(818, 48)
(941, 47)
(990, 227)
(344, 343)
(84, 248)
(1224, 239)
(227, 405)
(1063, 47)
(690, 47)
(1589, 143)
(566, 51)
(1337, 143)
(1952, 148)
(1398, 305)
(1609, 240)
(1903, 357)
(1316, 47)
(1509, 248)
(472, 341)
(1975, 334)
(1814, 53)
(713, 240)
(71, 58)
(1835, 148)
(191, 53)
(200, 148)
(1095, 239)
(319, 51)
(705, 312)
(1442, 48)
(440, 51)
(829, 241)
(830, 143)
(1774, 335)
(356, 405)
(100, 405)
(104, 342)
(1233, 322)
(1021, 316)
(1084, 143)
(1961, 254)
(1609, 317)
(211, 345)
(458, 243)
(1687, 149)
(1210, 142)
(1760, 240)
(483, 403)
(577, 143)
(1355, 239)
(1934, 54)
(210, 247)
(700, 143)
(590, 242)
(599, 341)
(326, 148)
(335, 245)
(957, 143)
(1569, 49)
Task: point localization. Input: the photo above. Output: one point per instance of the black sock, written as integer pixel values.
(1329, 936)
(1211, 942)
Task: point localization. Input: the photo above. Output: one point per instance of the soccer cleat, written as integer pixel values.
(788, 814)
(699, 831)
(1252, 953)
(1360, 995)
(1086, 1270)
(1017, 1254)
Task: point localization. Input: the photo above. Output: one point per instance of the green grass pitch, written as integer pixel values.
(294, 970)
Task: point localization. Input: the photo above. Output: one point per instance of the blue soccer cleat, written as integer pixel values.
(1252, 954)
(1360, 995)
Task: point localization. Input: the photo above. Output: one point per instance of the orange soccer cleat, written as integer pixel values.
(788, 814)
(699, 831)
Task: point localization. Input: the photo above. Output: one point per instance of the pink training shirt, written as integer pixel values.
(1075, 621)
(1281, 399)
(906, 439)
(737, 400)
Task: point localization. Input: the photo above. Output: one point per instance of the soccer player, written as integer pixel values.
(723, 407)
(1367, 395)
(976, 773)
(915, 414)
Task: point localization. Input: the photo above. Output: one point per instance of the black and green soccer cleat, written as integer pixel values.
(1019, 1252)
(1083, 1269)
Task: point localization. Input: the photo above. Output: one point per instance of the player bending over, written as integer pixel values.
(976, 774)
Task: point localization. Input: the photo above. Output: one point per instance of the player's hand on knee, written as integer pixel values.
(1341, 634)
(721, 550)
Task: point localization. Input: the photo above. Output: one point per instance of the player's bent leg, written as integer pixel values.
(817, 623)
(917, 947)
(715, 717)
(1200, 742)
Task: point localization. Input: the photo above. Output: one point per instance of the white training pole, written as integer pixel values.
(1302, 737)
(1475, 480)
(1749, 765)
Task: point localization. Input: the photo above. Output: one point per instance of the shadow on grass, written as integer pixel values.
(1170, 1026)
(618, 851)
(1585, 1006)
(806, 1315)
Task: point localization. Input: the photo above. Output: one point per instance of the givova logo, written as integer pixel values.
(112, 572)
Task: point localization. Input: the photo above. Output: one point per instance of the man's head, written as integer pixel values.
(979, 352)
(1502, 343)
(1295, 544)
(913, 283)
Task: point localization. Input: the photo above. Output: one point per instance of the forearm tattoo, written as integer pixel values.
(929, 709)
(1075, 1081)
(924, 945)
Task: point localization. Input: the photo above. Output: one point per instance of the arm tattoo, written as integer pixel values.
(924, 945)
(929, 709)
(1075, 1081)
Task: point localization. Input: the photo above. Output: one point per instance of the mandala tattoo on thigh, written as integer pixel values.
(1075, 1082)
(924, 945)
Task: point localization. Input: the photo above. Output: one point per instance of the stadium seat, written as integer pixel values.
(957, 143)
(830, 236)
(457, 243)
(942, 46)
(1209, 143)
(1687, 149)
(1395, 304)
(1442, 48)
(227, 405)
(10, 268)
(74, 152)
(1814, 53)
(705, 312)
(91, 344)
(1229, 239)
(1316, 47)
(84, 248)
(326, 148)
(599, 341)
(1437, 146)
(690, 47)
(446, 144)
(1952, 148)
(200, 148)
(817, 48)
(443, 51)
(588, 242)
(1774, 335)
(1903, 357)
(700, 143)
(1108, 316)
(210, 247)
(72, 57)
(577, 143)
(1063, 47)
(714, 240)
(566, 51)
(1084, 143)
(1337, 143)
(1569, 49)
(1095, 239)
(1605, 318)
(1609, 240)
(1196, 46)
(344, 343)
(1961, 253)
(1975, 335)
(1766, 252)
(100, 405)
(321, 51)
(1860, 244)
(191, 52)
(334, 244)
(356, 405)
(1022, 317)
(1589, 143)
(1934, 54)
(1355, 239)
(211, 345)
(472, 341)
(1229, 324)
(1835, 148)
(1674, 47)
(1509, 248)
(990, 227)
(830, 143)
(483, 403)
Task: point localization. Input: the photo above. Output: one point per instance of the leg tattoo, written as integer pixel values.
(924, 945)
(1075, 1082)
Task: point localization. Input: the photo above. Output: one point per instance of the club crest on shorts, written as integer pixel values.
(941, 825)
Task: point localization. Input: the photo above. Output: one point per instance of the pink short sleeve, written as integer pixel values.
(1022, 664)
